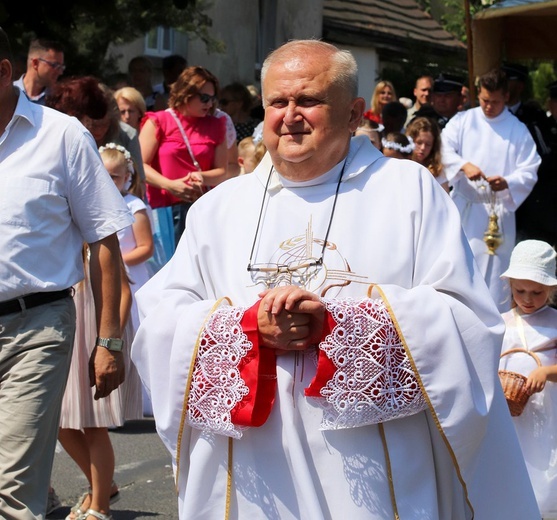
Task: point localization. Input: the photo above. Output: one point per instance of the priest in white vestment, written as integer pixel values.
(322, 344)
(491, 162)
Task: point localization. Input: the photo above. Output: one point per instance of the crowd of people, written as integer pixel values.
(313, 304)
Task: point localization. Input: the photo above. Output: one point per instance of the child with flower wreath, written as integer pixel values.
(397, 145)
(136, 241)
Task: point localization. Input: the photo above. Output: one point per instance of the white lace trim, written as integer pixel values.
(216, 386)
(374, 381)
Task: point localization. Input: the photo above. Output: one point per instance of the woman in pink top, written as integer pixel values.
(184, 147)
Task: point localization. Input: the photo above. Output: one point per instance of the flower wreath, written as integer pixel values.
(409, 148)
(121, 149)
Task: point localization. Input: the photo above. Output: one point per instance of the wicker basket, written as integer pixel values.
(514, 384)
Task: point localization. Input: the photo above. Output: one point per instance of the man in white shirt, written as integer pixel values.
(55, 194)
(45, 64)
(321, 345)
(491, 161)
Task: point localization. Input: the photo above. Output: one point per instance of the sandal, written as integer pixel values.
(76, 511)
(96, 514)
(79, 513)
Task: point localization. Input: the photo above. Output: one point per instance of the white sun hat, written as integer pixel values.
(532, 260)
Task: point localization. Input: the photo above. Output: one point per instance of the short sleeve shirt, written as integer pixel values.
(55, 194)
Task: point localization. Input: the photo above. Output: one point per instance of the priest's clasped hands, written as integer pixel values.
(290, 318)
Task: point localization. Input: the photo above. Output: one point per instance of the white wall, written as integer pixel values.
(368, 70)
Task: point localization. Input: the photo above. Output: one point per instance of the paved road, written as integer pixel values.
(143, 473)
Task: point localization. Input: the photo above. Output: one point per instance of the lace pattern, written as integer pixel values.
(374, 381)
(216, 386)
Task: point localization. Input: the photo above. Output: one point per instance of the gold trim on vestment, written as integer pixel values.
(389, 471)
(188, 385)
(229, 478)
(424, 393)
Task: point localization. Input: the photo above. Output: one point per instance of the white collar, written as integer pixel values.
(361, 154)
(23, 110)
(501, 117)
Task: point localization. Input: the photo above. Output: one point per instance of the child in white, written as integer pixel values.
(532, 325)
(397, 145)
(136, 241)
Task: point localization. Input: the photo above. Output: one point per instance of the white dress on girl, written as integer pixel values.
(537, 425)
(139, 273)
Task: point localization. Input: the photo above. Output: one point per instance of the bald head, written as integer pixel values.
(311, 107)
(295, 54)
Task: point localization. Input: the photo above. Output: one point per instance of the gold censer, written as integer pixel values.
(492, 237)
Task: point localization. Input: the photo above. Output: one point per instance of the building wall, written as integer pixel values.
(234, 23)
(137, 48)
(368, 70)
(299, 19)
(249, 30)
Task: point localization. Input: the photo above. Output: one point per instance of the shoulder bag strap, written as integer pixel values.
(185, 137)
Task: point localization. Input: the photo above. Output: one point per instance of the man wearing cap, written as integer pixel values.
(55, 194)
(447, 97)
(491, 161)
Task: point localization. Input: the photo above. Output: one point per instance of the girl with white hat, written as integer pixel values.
(532, 326)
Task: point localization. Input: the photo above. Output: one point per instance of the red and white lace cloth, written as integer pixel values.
(363, 375)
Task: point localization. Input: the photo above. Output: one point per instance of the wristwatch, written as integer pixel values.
(112, 344)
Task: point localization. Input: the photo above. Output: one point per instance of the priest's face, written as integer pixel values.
(309, 117)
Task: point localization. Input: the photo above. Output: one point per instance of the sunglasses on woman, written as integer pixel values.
(206, 98)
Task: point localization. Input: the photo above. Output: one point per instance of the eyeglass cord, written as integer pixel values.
(320, 261)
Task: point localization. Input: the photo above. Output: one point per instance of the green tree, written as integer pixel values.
(453, 20)
(542, 72)
(541, 77)
(86, 28)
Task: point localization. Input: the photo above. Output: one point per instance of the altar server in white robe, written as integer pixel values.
(322, 344)
(491, 162)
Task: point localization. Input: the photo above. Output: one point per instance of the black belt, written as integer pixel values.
(32, 300)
